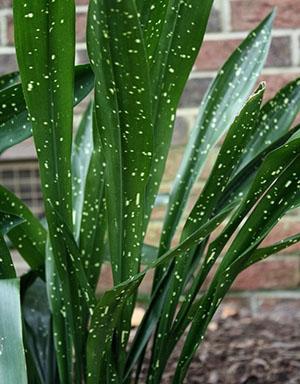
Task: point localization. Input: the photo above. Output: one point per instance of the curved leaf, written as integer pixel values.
(277, 115)
(30, 236)
(8, 80)
(243, 128)
(15, 126)
(280, 197)
(154, 311)
(221, 103)
(7, 222)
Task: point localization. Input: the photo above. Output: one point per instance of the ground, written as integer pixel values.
(244, 349)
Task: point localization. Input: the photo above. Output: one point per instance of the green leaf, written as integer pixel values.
(217, 111)
(29, 237)
(277, 116)
(123, 113)
(241, 182)
(151, 14)
(73, 253)
(149, 254)
(88, 187)
(7, 222)
(81, 156)
(61, 325)
(94, 220)
(38, 331)
(8, 80)
(106, 315)
(274, 164)
(242, 129)
(15, 125)
(154, 312)
(262, 253)
(173, 49)
(7, 270)
(47, 75)
(12, 359)
(280, 197)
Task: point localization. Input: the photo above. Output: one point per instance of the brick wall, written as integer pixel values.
(279, 277)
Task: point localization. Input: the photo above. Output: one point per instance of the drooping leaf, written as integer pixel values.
(8, 80)
(264, 252)
(7, 270)
(30, 236)
(7, 222)
(15, 126)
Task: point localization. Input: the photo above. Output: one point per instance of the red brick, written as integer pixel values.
(81, 27)
(6, 4)
(279, 274)
(7, 63)
(10, 30)
(180, 133)
(106, 282)
(213, 54)
(194, 91)
(82, 56)
(276, 82)
(247, 14)
(214, 22)
(285, 228)
(153, 233)
(173, 162)
(279, 307)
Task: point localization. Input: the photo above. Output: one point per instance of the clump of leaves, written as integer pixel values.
(99, 189)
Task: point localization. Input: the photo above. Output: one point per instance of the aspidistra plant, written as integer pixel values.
(100, 187)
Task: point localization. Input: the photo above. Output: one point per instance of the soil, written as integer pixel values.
(242, 349)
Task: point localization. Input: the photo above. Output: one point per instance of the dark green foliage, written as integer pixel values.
(100, 187)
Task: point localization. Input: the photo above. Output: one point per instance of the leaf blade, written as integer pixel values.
(215, 116)
(12, 361)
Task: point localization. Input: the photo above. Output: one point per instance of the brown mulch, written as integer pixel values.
(240, 349)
